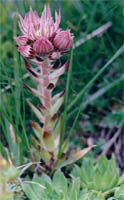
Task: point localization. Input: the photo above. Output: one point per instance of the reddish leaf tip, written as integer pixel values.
(46, 134)
(50, 86)
(41, 106)
(33, 123)
(66, 65)
(62, 94)
(55, 116)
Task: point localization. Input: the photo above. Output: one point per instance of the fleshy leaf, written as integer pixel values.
(48, 141)
(58, 72)
(56, 106)
(60, 182)
(37, 112)
(34, 91)
(76, 156)
(75, 189)
(37, 129)
(57, 96)
(45, 155)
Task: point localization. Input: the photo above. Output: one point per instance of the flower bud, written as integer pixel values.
(26, 51)
(43, 46)
(63, 40)
(21, 40)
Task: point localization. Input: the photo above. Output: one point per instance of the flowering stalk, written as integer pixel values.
(43, 43)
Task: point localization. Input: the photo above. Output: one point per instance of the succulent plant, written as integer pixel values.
(45, 188)
(58, 188)
(61, 188)
(119, 193)
(8, 174)
(43, 43)
(103, 176)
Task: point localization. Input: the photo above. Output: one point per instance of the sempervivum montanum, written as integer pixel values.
(42, 43)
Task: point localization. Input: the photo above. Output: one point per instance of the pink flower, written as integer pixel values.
(41, 36)
(47, 26)
(63, 40)
(42, 46)
(30, 25)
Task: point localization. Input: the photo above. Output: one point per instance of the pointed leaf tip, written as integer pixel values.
(27, 87)
(62, 93)
(81, 153)
(29, 68)
(67, 65)
(33, 123)
(27, 64)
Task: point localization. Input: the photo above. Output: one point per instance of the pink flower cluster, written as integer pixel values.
(41, 37)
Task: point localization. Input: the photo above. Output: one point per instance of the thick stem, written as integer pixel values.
(46, 94)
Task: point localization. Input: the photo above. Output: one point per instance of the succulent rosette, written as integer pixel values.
(41, 37)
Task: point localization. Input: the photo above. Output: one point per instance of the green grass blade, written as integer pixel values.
(24, 133)
(116, 55)
(12, 146)
(16, 76)
(65, 104)
(2, 150)
(72, 128)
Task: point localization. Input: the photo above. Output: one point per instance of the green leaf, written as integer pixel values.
(60, 182)
(100, 176)
(30, 192)
(55, 107)
(77, 172)
(75, 189)
(37, 130)
(36, 111)
(91, 195)
(73, 158)
(102, 163)
(49, 143)
(89, 168)
(46, 178)
(119, 193)
(12, 146)
(34, 189)
(121, 179)
(63, 127)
